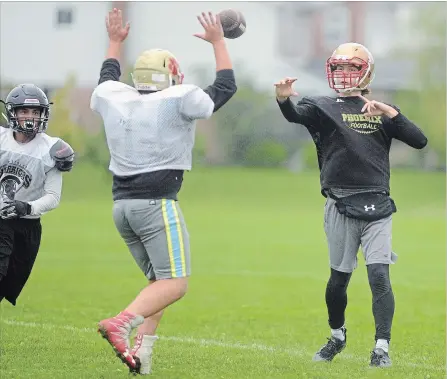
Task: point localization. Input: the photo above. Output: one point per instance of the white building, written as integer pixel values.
(43, 42)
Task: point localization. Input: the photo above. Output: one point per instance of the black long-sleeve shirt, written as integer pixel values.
(352, 149)
(162, 183)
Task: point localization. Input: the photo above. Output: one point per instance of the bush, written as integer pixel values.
(96, 150)
(199, 151)
(266, 154)
(309, 156)
(61, 124)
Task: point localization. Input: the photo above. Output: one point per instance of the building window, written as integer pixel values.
(64, 17)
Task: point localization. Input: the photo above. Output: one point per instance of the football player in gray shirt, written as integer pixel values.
(31, 166)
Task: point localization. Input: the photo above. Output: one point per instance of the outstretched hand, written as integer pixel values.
(114, 24)
(213, 28)
(284, 88)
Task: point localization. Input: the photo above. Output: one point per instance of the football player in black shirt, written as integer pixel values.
(353, 137)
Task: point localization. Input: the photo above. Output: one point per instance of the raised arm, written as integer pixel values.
(224, 86)
(302, 113)
(117, 32)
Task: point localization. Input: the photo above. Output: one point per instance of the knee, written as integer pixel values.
(379, 277)
(179, 287)
(339, 280)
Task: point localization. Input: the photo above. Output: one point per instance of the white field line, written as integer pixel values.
(404, 361)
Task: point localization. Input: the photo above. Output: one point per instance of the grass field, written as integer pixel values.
(255, 308)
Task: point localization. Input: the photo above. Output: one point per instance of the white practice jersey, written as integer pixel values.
(24, 167)
(150, 132)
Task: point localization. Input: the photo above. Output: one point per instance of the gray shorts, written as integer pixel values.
(156, 234)
(345, 235)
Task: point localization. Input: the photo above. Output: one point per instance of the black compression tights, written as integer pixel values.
(382, 299)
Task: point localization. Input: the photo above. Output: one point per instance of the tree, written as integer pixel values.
(61, 123)
(427, 106)
(250, 127)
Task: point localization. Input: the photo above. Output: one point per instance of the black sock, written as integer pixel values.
(382, 299)
(337, 298)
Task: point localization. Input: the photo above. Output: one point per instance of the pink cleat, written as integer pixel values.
(116, 331)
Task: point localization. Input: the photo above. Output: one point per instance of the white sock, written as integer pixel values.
(338, 333)
(144, 352)
(382, 344)
(145, 340)
(148, 341)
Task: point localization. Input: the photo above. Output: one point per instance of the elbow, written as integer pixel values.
(422, 143)
(232, 89)
(231, 86)
(54, 203)
(228, 88)
(226, 82)
(222, 95)
(57, 201)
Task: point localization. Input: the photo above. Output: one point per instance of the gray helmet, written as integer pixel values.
(27, 96)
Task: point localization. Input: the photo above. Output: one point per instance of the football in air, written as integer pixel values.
(233, 23)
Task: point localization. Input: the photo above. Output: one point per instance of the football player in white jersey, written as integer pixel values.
(31, 166)
(150, 130)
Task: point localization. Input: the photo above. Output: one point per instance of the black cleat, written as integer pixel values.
(331, 349)
(380, 358)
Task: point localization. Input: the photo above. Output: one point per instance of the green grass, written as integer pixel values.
(255, 307)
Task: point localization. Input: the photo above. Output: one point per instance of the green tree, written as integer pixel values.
(250, 128)
(427, 105)
(61, 122)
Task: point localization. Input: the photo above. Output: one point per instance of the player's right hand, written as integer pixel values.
(212, 26)
(284, 88)
(114, 24)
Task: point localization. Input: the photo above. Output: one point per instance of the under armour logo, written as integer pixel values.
(371, 208)
(339, 101)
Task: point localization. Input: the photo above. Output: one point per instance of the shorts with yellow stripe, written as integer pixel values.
(156, 234)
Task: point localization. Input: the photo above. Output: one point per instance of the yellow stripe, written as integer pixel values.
(168, 236)
(180, 236)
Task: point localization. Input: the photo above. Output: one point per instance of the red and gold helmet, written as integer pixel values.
(350, 68)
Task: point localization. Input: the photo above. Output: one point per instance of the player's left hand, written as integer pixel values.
(213, 28)
(14, 209)
(376, 108)
(114, 23)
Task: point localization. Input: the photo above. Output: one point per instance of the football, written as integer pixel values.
(233, 23)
